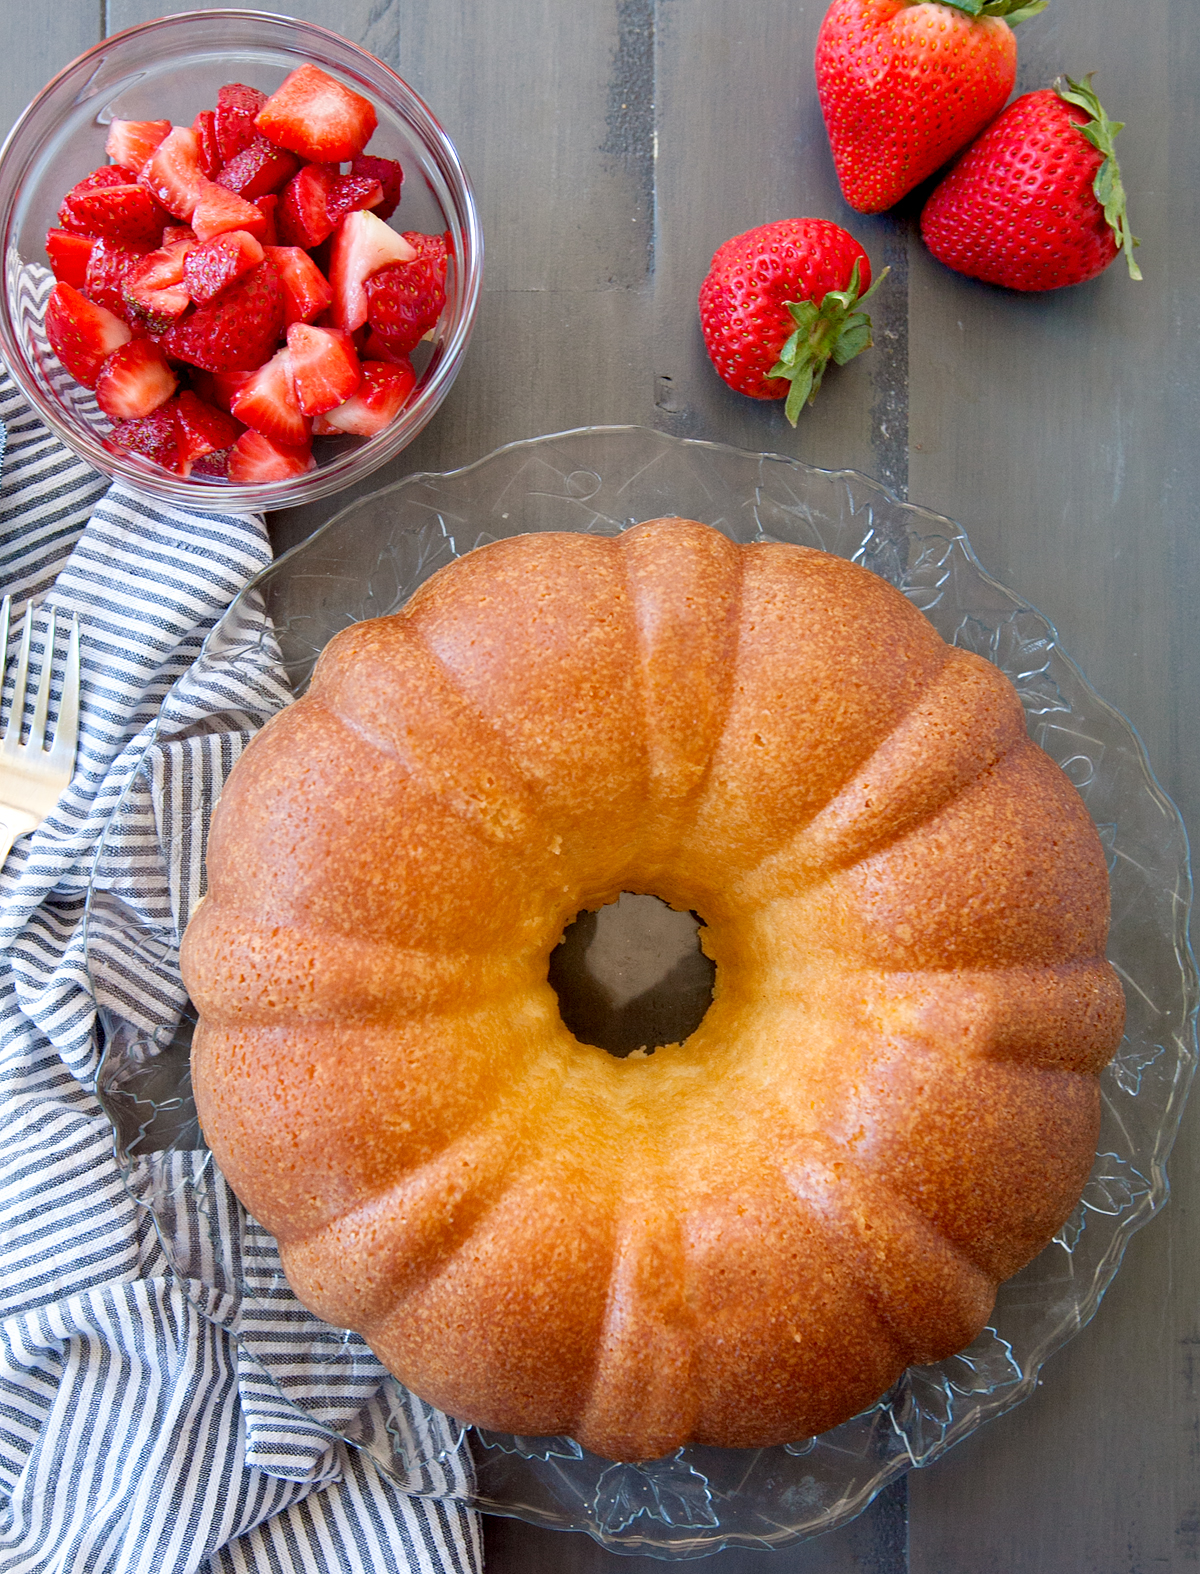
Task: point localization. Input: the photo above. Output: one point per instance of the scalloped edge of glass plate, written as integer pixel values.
(700, 1533)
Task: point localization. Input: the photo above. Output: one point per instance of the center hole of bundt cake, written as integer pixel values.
(632, 976)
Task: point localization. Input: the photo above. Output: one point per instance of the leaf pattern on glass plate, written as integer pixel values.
(669, 1490)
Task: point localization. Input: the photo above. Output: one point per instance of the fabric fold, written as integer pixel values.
(143, 1426)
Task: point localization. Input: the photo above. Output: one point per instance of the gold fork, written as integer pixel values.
(32, 775)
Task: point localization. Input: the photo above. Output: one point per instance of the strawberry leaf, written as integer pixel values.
(1108, 187)
(834, 330)
(1013, 11)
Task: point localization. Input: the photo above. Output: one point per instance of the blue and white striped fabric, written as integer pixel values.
(137, 1434)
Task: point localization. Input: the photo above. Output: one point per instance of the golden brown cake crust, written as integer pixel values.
(890, 1106)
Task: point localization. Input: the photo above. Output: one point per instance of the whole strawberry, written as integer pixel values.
(779, 302)
(904, 85)
(1037, 203)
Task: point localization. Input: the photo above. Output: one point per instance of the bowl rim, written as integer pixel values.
(215, 495)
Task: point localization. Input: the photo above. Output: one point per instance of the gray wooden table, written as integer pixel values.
(613, 145)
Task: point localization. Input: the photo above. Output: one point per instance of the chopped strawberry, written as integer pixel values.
(224, 385)
(381, 396)
(82, 334)
(304, 206)
(205, 127)
(237, 105)
(325, 368)
(349, 192)
(134, 380)
(267, 402)
(306, 290)
(118, 212)
(153, 436)
(69, 254)
(267, 206)
(406, 299)
(218, 211)
(106, 175)
(258, 169)
(390, 176)
(318, 117)
(109, 265)
(217, 263)
(175, 174)
(238, 330)
(155, 292)
(214, 465)
(256, 458)
(133, 142)
(201, 429)
(362, 245)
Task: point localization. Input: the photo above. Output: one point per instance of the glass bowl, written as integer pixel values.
(366, 562)
(172, 68)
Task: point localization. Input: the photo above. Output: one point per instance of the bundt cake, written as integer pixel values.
(889, 1107)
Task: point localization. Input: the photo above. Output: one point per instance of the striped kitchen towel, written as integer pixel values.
(142, 1429)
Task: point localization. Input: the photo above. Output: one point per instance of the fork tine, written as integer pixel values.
(62, 755)
(12, 733)
(41, 703)
(5, 614)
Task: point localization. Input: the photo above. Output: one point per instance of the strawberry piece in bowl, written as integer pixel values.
(218, 210)
(362, 245)
(381, 396)
(406, 299)
(133, 143)
(267, 402)
(152, 436)
(257, 170)
(201, 430)
(123, 212)
(306, 291)
(237, 107)
(318, 117)
(110, 263)
(324, 365)
(215, 264)
(175, 175)
(255, 459)
(69, 255)
(134, 381)
(82, 334)
(237, 330)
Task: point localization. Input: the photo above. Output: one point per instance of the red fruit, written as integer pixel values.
(267, 206)
(325, 368)
(215, 465)
(205, 127)
(362, 245)
(175, 174)
(110, 263)
(1037, 202)
(154, 291)
(133, 142)
(134, 381)
(267, 402)
(349, 192)
(904, 86)
(303, 214)
(256, 458)
(224, 385)
(69, 255)
(237, 105)
(153, 436)
(306, 290)
(381, 396)
(388, 173)
(218, 211)
(82, 334)
(106, 175)
(202, 430)
(406, 299)
(238, 330)
(319, 118)
(781, 300)
(126, 213)
(212, 267)
(258, 169)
